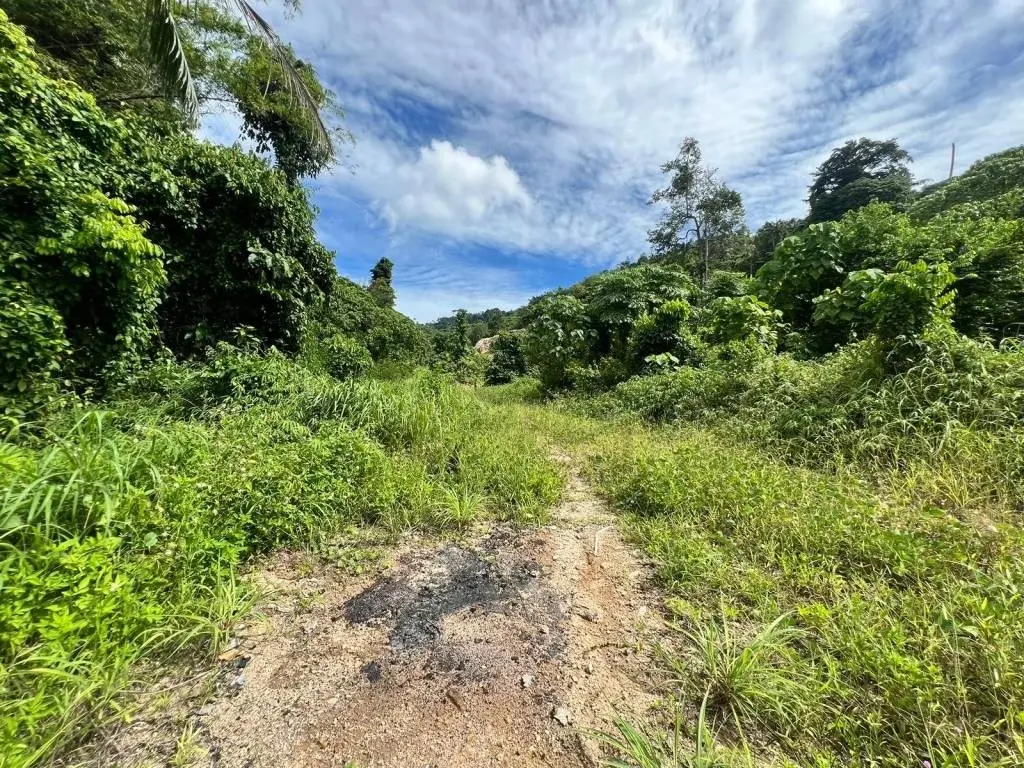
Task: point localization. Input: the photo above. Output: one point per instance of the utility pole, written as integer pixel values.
(952, 160)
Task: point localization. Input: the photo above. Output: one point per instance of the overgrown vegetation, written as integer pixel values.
(814, 429)
(836, 506)
(187, 383)
(123, 529)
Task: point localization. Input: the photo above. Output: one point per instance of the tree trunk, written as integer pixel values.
(707, 259)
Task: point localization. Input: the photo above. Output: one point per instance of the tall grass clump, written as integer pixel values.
(125, 532)
(945, 429)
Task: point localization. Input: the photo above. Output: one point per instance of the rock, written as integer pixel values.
(561, 715)
(544, 629)
(456, 698)
(527, 680)
(590, 667)
(230, 655)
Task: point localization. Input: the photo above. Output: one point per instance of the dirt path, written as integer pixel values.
(507, 649)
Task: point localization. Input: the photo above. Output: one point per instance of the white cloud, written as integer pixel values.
(448, 188)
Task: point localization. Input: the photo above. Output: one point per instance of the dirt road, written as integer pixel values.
(509, 648)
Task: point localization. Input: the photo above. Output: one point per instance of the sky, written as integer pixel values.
(507, 147)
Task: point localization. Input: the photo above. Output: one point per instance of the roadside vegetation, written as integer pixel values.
(813, 429)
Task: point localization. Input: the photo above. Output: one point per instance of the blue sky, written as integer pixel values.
(505, 147)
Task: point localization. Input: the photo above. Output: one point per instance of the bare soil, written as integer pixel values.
(509, 648)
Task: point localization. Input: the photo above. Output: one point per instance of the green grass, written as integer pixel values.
(821, 620)
(125, 533)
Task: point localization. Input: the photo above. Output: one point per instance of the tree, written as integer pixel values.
(700, 207)
(769, 237)
(857, 173)
(380, 283)
(508, 360)
(196, 51)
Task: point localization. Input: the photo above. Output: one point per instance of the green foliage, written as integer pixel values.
(699, 207)
(906, 302)
(508, 358)
(857, 173)
(615, 300)
(726, 283)
(557, 335)
(741, 318)
(338, 356)
(351, 311)
(769, 237)
(898, 618)
(839, 315)
(380, 283)
(666, 331)
(988, 178)
(79, 252)
(239, 243)
(803, 267)
(121, 533)
(32, 347)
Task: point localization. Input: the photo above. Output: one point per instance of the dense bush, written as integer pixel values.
(508, 359)
(387, 334)
(339, 356)
(990, 177)
(86, 274)
(239, 244)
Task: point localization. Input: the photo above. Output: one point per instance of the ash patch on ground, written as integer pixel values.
(412, 602)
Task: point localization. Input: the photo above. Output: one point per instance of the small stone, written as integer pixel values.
(544, 629)
(561, 715)
(527, 680)
(456, 698)
(590, 667)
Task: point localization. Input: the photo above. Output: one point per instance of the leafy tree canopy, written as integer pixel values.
(700, 208)
(856, 173)
(380, 283)
(222, 48)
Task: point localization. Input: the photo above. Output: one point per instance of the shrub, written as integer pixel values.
(665, 331)
(345, 358)
(76, 251)
(32, 347)
(508, 359)
(738, 318)
(239, 244)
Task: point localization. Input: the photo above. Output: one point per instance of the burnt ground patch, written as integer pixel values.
(413, 601)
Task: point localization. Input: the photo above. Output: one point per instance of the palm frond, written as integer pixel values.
(168, 56)
(319, 134)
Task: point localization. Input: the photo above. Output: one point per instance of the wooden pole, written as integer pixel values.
(952, 160)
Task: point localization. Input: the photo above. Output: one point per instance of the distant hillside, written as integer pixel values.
(481, 324)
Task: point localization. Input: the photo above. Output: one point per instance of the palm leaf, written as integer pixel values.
(320, 137)
(168, 56)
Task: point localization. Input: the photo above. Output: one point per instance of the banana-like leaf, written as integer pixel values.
(168, 56)
(319, 135)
